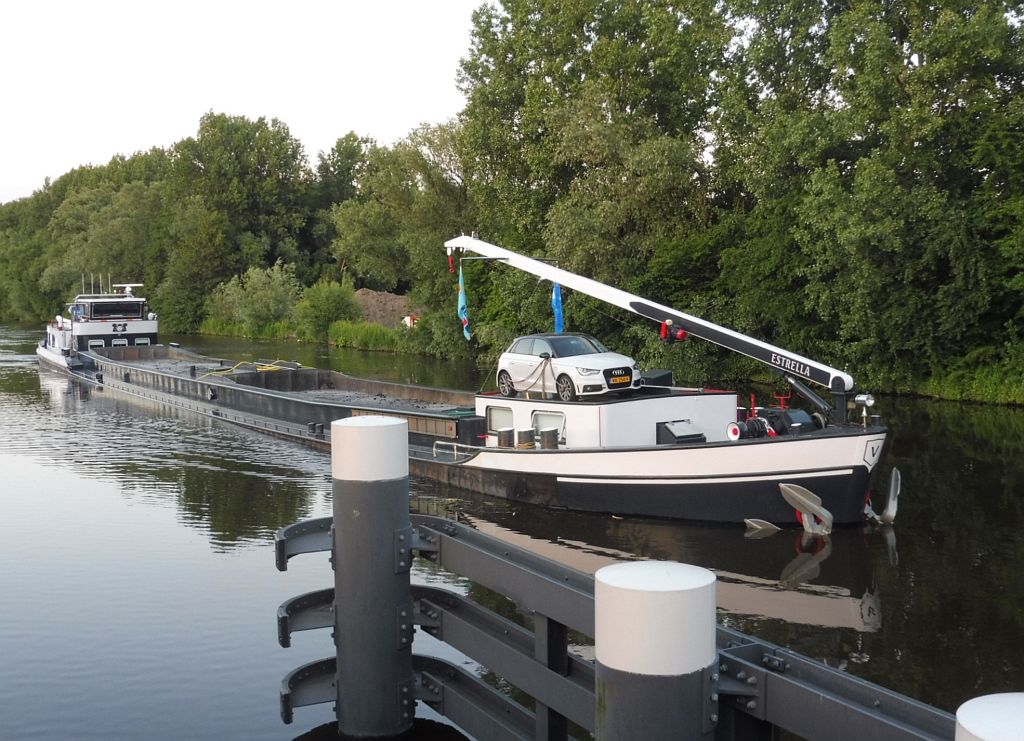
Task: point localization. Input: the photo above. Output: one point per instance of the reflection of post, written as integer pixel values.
(654, 637)
(373, 610)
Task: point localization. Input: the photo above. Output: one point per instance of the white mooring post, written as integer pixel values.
(654, 635)
(991, 718)
(373, 612)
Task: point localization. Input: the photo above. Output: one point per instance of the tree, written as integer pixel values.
(254, 174)
(644, 64)
(197, 261)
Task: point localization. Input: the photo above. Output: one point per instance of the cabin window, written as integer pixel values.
(141, 340)
(95, 343)
(119, 342)
(498, 418)
(543, 420)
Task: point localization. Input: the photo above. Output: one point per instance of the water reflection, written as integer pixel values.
(936, 615)
(825, 582)
(227, 481)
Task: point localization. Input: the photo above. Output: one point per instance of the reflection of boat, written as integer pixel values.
(660, 451)
(792, 577)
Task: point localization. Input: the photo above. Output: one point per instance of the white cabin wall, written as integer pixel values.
(635, 423)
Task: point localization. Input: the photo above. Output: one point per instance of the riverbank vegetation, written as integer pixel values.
(843, 181)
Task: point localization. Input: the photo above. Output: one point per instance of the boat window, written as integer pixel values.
(141, 340)
(95, 343)
(498, 418)
(119, 342)
(116, 309)
(543, 420)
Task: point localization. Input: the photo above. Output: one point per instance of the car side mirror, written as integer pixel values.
(545, 355)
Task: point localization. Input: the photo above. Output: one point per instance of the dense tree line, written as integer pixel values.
(843, 179)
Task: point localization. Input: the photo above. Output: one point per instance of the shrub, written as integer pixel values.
(323, 303)
(253, 304)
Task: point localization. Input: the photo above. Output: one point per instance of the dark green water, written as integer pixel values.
(139, 592)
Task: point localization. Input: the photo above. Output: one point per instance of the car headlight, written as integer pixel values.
(587, 371)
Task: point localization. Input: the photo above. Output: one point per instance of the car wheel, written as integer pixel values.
(566, 389)
(505, 384)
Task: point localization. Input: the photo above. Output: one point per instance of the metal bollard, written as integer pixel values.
(654, 635)
(991, 718)
(373, 612)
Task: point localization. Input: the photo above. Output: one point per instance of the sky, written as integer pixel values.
(84, 80)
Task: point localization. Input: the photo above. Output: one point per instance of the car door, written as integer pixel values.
(543, 371)
(520, 361)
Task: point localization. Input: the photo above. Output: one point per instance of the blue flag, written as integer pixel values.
(556, 306)
(463, 307)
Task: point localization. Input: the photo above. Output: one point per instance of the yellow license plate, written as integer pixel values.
(620, 379)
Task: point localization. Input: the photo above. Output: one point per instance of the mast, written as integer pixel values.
(790, 365)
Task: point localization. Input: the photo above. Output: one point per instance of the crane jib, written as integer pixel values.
(782, 361)
(751, 348)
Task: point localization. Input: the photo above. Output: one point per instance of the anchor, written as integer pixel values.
(816, 519)
(889, 513)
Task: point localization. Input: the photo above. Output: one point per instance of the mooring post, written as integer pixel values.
(373, 611)
(654, 636)
(991, 718)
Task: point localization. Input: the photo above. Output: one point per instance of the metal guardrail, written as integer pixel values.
(757, 687)
(458, 451)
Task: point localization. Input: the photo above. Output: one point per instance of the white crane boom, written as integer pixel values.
(785, 362)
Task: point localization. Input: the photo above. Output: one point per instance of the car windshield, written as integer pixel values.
(570, 345)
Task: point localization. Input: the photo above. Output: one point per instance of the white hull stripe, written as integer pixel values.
(699, 479)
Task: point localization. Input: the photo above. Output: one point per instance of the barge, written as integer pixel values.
(655, 450)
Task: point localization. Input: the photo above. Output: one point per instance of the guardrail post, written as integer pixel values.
(551, 647)
(991, 718)
(654, 635)
(373, 611)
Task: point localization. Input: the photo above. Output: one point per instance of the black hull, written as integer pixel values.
(843, 494)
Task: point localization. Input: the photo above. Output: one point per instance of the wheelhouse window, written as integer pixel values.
(498, 418)
(95, 343)
(141, 340)
(115, 310)
(119, 342)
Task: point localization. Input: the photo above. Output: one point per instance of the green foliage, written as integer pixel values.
(438, 333)
(252, 172)
(364, 336)
(260, 302)
(323, 303)
(844, 180)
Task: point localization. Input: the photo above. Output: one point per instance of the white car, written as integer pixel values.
(569, 365)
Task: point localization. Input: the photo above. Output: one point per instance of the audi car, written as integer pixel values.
(568, 365)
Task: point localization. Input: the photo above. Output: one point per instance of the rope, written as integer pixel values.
(259, 367)
(538, 371)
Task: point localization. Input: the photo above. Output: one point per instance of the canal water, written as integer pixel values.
(138, 593)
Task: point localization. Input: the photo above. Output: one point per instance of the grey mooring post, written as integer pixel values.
(373, 610)
(654, 637)
(991, 718)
